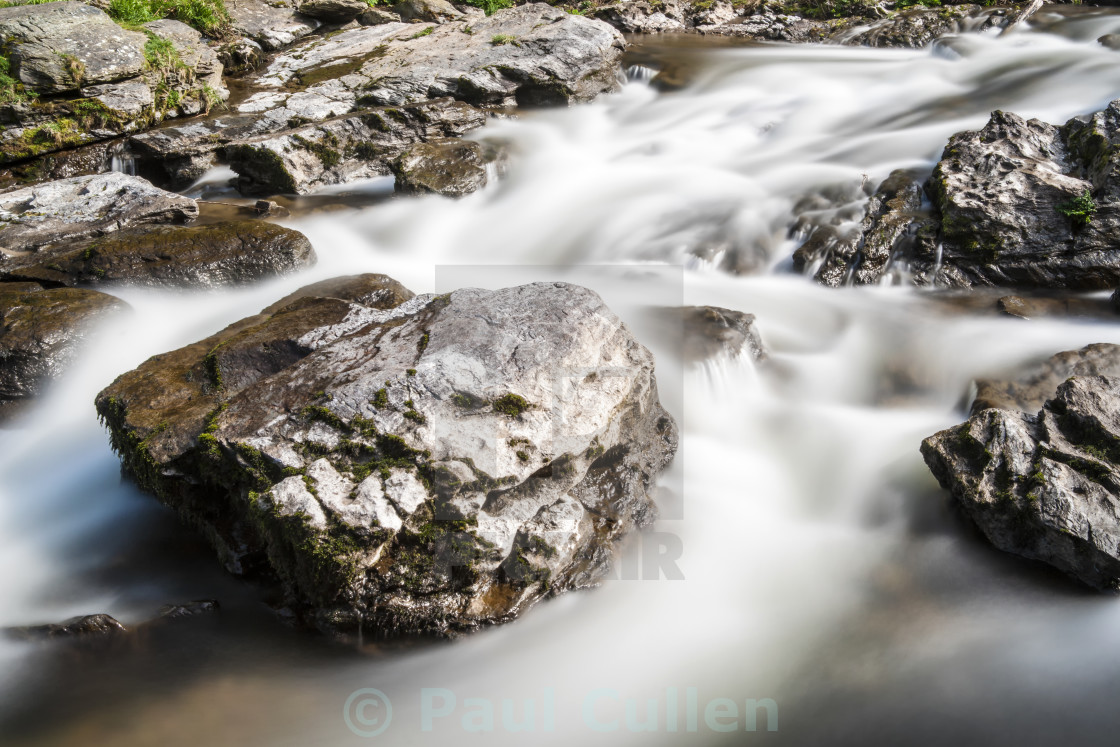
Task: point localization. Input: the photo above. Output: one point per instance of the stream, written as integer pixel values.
(820, 565)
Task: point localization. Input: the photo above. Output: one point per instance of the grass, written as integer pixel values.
(511, 404)
(425, 32)
(208, 16)
(11, 90)
(490, 7)
(499, 39)
(1079, 210)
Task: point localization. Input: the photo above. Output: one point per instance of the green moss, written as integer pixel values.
(1079, 210)
(415, 416)
(325, 149)
(425, 32)
(500, 39)
(411, 372)
(380, 398)
(323, 415)
(511, 404)
(523, 456)
(423, 344)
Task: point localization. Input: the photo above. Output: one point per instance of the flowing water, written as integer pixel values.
(823, 568)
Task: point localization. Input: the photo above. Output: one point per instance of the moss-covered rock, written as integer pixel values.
(447, 167)
(40, 333)
(399, 464)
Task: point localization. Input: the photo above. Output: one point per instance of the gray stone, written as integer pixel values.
(711, 332)
(333, 11)
(241, 56)
(274, 25)
(84, 207)
(435, 11)
(1045, 484)
(58, 47)
(344, 149)
(414, 467)
(377, 16)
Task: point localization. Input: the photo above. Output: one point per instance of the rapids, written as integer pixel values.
(823, 567)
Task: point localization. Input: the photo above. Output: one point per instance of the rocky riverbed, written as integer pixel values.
(388, 315)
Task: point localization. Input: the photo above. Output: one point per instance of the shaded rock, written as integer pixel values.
(241, 56)
(1036, 307)
(446, 167)
(1044, 485)
(1112, 41)
(274, 25)
(189, 609)
(83, 207)
(62, 46)
(342, 150)
(1033, 387)
(860, 254)
(333, 11)
(644, 17)
(712, 332)
(919, 27)
(208, 256)
(377, 16)
(99, 625)
(436, 11)
(40, 332)
(96, 158)
(401, 469)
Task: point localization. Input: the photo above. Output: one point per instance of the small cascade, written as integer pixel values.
(121, 160)
(640, 74)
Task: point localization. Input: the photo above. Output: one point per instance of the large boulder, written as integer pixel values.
(447, 167)
(40, 333)
(1044, 483)
(333, 11)
(62, 46)
(66, 210)
(208, 256)
(274, 24)
(405, 465)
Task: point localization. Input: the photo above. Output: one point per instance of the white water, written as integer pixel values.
(821, 566)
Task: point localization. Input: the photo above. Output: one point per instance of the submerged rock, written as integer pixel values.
(712, 332)
(40, 332)
(446, 167)
(406, 465)
(84, 207)
(209, 256)
(99, 625)
(1044, 483)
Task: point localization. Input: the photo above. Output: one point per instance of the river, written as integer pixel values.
(823, 569)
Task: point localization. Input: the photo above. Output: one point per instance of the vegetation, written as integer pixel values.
(425, 32)
(1079, 210)
(511, 404)
(490, 7)
(208, 16)
(498, 39)
(11, 90)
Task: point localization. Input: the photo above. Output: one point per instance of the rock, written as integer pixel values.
(447, 167)
(774, 25)
(62, 46)
(1025, 204)
(96, 158)
(1044, 485)
(1036, 307)
(274, 25)
(204, 63)
(40, 332)
(400, 465)
(711, 332)
(1112, 41)
(241, 56)
(100, 625)
(190, 609)
(377, 16)
(210, 256)
(644, 17)
(333, 11)
(541, 56)
(435, 11)
(860, 254)
(84, 207)
(1032, 388)
(919, 27)
(345, 149)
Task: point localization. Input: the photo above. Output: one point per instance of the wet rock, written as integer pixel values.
(209, 256)
(1025, 204)
(62, 46)
(189, 609)
(274, 25)
(446, 167)
(644, 17)
(345, 149)
(100, 625)
(1112, 41)
(83, 207)
(241, 56)
(40, 333)
(919, 27)
(333, 11)
(1037, 307)
(435, 11)
(398, 465)
(1030, 390)
(1044, 484)
(859, 254)
(96, 158)
(711, 332)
